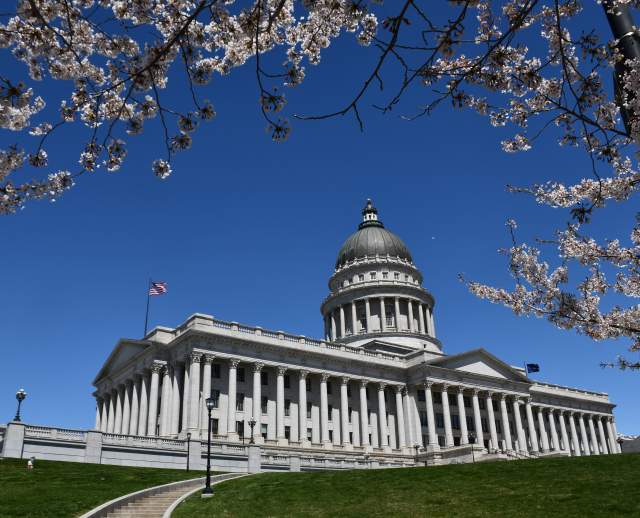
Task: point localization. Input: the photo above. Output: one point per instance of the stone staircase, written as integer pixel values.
(154, 505)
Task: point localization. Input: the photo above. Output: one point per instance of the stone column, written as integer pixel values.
(554, 434)
(165, 400)
(367, 308)
(477, 417)
(175, 402)
(396, 307)
(522, 441)
(462, 416)
(492, 422)
(533, 436)
(324, 411)
(153, 399)
(206, 393)
(421, 318)
(544, 439)
(592, 436)
(135, 406)
(232, 433)
(364, 415)
(574, 435)
(302, 408)
(344, 412)
(343, 328)
(104, 421)
(432, 322)
(257, 402)
(410, 315)
(333, 326)
(431, 418)
(354, 319)
(185, 396)
(143, 418)
(617, 448)
(126, 408)
(563, 432)
(448, 435)
(383, 315)
(280, 406)
(603, 438)
(382, 418)
(408, 425)
(506, 429)
(402, 440)
(613, 447)
(194, 394)
(99, 403)
(117, 427)
(583, 435)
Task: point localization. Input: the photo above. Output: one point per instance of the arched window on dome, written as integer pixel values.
(361, 277)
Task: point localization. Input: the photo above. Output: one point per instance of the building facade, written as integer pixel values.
(378, 384)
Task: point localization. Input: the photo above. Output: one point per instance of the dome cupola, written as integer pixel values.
(376, 291)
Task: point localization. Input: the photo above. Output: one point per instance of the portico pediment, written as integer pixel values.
(377, 346)
(479, 361)
(121, 355)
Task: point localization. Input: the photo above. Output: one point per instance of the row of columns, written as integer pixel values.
(591, 443)
(337, 328)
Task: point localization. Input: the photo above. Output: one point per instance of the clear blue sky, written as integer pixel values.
(248, 230)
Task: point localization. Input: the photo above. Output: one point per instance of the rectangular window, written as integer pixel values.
(240, 428)
(329, 389)
(439, 421)
(348, 390)
(215, 395)
(287, 432)
(287, 381)
(455, 422)
(406, 277)
(423, 418)
(367, 391)
(396, 275)
(456, 441)
(216, 370)
(240, 402)
(264, 377)
(264, 404)
(309, 434)
(471, 425)
(483, 404)
(498, 427)
(287, 407)
(351, 437)
(214, 426)
(484, 424)
(240, 373)
(373, 275)
(308, 410)
(467, 402)
(421, 396)
(330, 435)
(437, 398)
(385, 275)
(330, 412)
(263, 430)
(308, 383)
(361, 277)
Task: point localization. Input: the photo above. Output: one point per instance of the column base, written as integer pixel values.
(367, 448)
(387, 449)
(347, 446)
(432, 447)
(305, 444)
(327, 445)
(283, 441)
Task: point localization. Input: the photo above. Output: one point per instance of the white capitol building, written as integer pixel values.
(378, 385)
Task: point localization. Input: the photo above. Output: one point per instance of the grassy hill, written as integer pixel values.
(67, 489)
(603, 486)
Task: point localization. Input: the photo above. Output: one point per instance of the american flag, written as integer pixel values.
(157, 288)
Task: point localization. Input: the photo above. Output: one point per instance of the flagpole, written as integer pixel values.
(146, 317)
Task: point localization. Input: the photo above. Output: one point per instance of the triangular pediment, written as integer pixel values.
(479, 361)
(121, 355)
(377, 346)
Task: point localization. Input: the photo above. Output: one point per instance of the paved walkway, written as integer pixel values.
(154, 506)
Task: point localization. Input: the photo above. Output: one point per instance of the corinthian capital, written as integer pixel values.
(195, 357)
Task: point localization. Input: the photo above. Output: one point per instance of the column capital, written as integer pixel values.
(476, 391)
(400, 388)
(257, 366)
(517, 400)
(461, 389)
(427, 384)
(166, 370)
(233, 362)
(528, 400)
(303, 373)
(445, 387)
(324, 377)
(503, 396)
(156, 367)
(382, 386)
(195, 357)
(281, 370)
(364, 383)
(207, 359)
(345, 380)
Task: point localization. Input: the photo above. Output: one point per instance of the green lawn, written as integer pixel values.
(67, 489)
(603, 486)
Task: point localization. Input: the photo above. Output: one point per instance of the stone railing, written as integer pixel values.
(142, 441)
(45, 432)
(205, 320)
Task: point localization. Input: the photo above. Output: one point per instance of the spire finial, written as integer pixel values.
(370, 215)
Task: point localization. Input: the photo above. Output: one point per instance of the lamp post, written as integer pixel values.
(620, 440)
(252, 423)
(20, 396)
(207, 488)
(188, 448)
(472, 440)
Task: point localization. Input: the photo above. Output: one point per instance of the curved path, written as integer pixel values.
(155, 505)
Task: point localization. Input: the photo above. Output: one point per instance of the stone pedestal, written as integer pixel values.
(13, 440)
(93, 448)
(254, 459)
(294, 463)
(195, 455)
